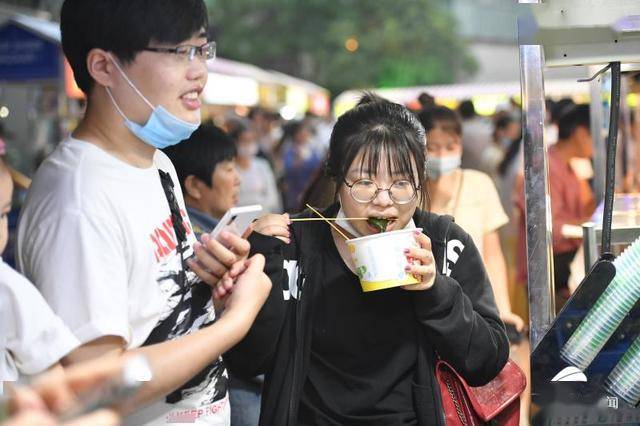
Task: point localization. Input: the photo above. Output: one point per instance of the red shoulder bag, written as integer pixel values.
(496, 403)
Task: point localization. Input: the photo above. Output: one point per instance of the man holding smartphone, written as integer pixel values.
(104, 232)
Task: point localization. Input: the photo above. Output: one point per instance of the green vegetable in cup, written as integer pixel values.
(379, 223)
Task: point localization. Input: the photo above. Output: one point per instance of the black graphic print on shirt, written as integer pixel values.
(189, 308)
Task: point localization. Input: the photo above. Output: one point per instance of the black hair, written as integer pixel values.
(501, 121)
(255, 111)
(440, 116)
(235, 128)
(200, 154)
(289, 132)
(560, 108)
(125, 27)
(320, 193)
(387, 131)
(466, 109)
(291, 129)
(426, 100)
(578, 116)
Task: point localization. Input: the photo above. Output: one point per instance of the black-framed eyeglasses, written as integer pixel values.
(206, 52)
(365, 191)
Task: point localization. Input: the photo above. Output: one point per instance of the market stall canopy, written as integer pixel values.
(236, 83)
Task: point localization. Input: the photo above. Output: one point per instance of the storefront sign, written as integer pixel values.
(27, 57)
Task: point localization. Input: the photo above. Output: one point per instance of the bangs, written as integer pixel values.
(394, 150)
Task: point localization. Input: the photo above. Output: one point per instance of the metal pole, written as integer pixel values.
(590, 245)
(537, 206)
(627, 150)
(596, 110)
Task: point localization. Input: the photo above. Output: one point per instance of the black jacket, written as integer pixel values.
(458, 316)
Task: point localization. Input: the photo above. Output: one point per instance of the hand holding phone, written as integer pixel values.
(216, 255)
(237, 220)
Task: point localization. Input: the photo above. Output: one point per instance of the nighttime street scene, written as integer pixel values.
(320, 212)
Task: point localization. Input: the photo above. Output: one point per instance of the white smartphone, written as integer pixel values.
(237, 220)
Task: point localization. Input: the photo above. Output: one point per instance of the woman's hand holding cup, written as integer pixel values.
(421, 263)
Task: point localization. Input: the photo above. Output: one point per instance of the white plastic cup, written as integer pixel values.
(380, 259)
(608, 312)
(624, 380)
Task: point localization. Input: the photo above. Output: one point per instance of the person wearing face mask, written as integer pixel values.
(104, 234)
(572, 199)
(506, 134)
(470, 196)
(299, 162)
(258, 182)
(334, 354)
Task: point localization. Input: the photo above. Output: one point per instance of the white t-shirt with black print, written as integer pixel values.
(96, 237)
(32, 337)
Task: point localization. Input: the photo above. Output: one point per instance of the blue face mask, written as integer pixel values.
(162, 129)
(439, 166)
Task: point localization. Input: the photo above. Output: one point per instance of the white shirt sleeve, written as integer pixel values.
(34, 337)
(78, 262)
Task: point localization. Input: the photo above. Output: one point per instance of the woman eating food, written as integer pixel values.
(335, 354)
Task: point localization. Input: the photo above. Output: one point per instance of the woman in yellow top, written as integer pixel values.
(470, 196)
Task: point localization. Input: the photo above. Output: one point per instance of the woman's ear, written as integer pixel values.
(192, 187)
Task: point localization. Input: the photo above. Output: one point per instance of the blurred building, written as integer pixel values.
(490, 29)
(489, 26)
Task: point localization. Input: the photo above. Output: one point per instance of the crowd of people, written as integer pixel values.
(116, 259)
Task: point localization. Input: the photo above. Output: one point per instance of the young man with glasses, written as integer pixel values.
(104, 233)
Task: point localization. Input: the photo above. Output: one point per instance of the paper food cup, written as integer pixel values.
(380, 260)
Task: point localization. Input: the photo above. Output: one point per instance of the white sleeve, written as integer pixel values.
(78, 262)
(34, 336)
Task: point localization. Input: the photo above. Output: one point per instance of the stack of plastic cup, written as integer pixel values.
(608, 312)
(624, 380)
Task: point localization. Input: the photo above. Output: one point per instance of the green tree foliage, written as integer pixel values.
(400, 42)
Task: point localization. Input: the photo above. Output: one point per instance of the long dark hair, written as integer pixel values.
(387, 132)
(510, 155)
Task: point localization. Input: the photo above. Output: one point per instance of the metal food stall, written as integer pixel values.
(585, 361)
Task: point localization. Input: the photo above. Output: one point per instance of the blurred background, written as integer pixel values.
(289, 58)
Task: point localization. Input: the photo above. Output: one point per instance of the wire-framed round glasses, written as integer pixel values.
(365, 191)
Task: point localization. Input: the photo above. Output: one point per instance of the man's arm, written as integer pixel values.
(200, 348)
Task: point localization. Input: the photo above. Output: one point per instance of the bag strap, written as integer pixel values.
(176, 220)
